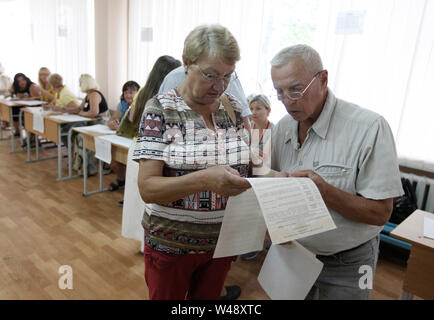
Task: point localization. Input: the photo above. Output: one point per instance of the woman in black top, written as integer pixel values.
(24, 88)
(94, 104)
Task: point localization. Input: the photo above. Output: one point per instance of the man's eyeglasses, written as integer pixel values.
(214, 78)
(295, 95)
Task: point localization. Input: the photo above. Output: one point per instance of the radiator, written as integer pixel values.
(424, 188)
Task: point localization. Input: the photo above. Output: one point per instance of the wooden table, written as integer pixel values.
(6, 114)
(419, 277)
(52, 132)
(119, 154)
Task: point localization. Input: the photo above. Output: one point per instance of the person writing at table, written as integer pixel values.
(129, 90)
(24, 89)
(65, 99)
(94, 103)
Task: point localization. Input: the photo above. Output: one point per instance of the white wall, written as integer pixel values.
(111, 47)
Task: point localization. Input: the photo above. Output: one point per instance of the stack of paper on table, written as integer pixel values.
(70, 118)
(30, 102)
(99, 128)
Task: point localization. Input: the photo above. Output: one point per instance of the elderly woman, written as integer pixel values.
(94, 104)
(184, 190)
(65, 99)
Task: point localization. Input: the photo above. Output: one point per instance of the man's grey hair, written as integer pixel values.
(307, 54)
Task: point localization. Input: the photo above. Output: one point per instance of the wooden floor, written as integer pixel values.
(45, 224)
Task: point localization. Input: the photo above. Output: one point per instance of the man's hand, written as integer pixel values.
(316, 178)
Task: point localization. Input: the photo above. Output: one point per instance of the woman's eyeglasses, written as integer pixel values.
(215, 78)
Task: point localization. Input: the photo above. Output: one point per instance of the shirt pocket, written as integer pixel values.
(332, 170)
(338, 175)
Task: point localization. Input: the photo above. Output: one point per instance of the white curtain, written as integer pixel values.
(387, 66)
(379, 54)
(58, 34)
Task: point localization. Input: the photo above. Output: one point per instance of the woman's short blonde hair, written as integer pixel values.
(44, 70)
(213, 40)
(261, 98)
(87, 82)
(55, 80)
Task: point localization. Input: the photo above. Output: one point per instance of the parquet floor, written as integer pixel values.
(45, 224)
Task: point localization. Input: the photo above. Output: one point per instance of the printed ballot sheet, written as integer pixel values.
(103, 149)
(243, 228)
(290, 208)
(289, 272)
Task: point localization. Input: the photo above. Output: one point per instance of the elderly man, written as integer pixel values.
(350, 155)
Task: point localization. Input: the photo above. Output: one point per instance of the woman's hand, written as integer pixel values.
(225, 181)
(114, 124)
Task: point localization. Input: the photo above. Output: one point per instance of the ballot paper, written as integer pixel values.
(292, 208)
(30, 102)
(289, 272)
(243, 226)
(99, 128)
(70, 118)
(38, 122)
(103, 149)
(120, 141)
(428, 227)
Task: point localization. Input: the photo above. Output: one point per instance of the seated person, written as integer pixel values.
(24, 89)
(94, 103)
(65, 99)
(93, 106)
(47, 91)
(129, 90)
(161, 68)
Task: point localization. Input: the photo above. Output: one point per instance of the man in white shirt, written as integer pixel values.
(349, 153)
(177, 76)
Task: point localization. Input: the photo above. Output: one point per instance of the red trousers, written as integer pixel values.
(184, 276)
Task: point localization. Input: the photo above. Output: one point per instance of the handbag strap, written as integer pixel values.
(228, 107)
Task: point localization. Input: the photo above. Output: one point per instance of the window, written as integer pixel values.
(379, 54)
(58, 34)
